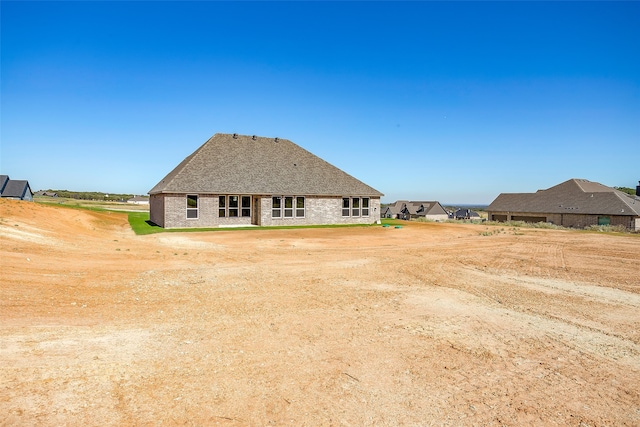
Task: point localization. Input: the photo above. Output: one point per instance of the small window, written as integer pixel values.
(233, 206)
(276, 207)
(345, 206)
(222, 206)
(365, 206)
(355, 206)
(192, 207)
(300, 207)
(288, 207)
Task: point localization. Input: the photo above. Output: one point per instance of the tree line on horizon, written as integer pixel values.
(90, 195)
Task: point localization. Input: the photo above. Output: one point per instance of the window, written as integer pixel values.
(285, 206)
(192, 207)
(233, 206)
(222, 206)
(300, 207)
(246, 205)
(345, 206)
(288, 207)
(276, 207)
(355, 206)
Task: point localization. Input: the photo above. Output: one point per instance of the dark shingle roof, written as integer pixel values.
(573, 196)
(3, 182)
(466, 213)
(15, 188)
(228, 164)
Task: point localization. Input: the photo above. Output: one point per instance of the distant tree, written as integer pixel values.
(631, 191)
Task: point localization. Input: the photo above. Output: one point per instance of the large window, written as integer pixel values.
(300, 207)
(222, 206)
(346, 203)
(234, 206)
(355, 206)
(287, 207)
(276, 207)
(246, 205)
(192, 207)
(365, 206)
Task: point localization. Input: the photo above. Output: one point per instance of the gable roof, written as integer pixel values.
(425, 208)
(466, 213)
(578, 196)
(242, 164)
(3, 182)
(16, 188)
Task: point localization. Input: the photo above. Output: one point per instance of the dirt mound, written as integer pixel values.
(444, 324)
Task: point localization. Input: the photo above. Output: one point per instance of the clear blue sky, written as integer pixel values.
(448, 101)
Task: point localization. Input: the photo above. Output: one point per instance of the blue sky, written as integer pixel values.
(448, 101)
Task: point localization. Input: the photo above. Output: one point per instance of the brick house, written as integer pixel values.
(576, 203)
(240, 180)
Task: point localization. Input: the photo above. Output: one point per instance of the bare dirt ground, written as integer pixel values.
(429, 324)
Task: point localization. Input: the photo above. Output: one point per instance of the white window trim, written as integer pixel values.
(278, 209)
(296, 208)
(196, 209)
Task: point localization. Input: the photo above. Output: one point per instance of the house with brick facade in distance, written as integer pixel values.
(404, 209)
(239, 180)
(576, 203)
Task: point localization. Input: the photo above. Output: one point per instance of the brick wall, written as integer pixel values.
(573, 220)
(318, 210)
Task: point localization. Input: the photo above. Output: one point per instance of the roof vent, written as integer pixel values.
(235, 136)
(638, 190)
(277, 139)
(253, 137)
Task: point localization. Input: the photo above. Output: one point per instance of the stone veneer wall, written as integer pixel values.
(318, 210)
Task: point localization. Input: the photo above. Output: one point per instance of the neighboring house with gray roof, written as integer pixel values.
(431, 210)
(404, 209)
(466, 214)
(576, 203)
(394, 209)
(15, 189)
(240, 180)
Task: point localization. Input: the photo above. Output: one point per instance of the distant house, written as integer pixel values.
(240, 180)
(393, 210)
(15, 189)
(429, 210)
(576, 203)
(139, 200)
(403, 209)
(466, 214)
(43, 193)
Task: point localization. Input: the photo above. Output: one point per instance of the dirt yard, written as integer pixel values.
(428, 324)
